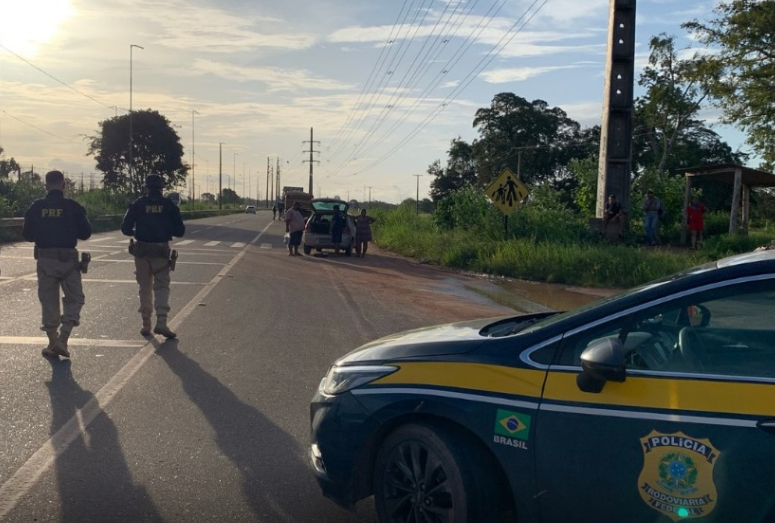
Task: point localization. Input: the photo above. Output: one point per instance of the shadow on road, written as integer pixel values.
(267, 457)
(92, 475)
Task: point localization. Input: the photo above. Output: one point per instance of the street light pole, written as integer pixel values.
(220, 175)
(193, 158)
(131, 145)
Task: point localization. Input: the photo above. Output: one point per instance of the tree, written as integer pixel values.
(528, 137)
(230, 196)
(8, 166)
(742, 73)
(156, 150)
(674, 95)
(460, 171)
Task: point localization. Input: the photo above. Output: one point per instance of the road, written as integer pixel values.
(213, 426)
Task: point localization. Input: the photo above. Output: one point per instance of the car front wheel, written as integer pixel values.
(430, 474)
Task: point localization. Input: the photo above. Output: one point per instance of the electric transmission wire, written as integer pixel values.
(468, 42)
(464, 84)
(55, 78)
(406, 85)
(372, 75)
(38, 128)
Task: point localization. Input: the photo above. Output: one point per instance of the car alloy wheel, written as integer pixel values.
(426, 474)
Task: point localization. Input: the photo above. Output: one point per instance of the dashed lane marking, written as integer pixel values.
(183, 242)
(73, 342)
(211, 244)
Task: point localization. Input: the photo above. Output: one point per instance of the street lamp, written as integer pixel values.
(234, 170)
(131, 164)
(193, 157)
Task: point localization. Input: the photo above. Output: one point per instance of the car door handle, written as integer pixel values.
(767, 425)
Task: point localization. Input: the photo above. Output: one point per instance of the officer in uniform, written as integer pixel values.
(55, 224)
(153, 220)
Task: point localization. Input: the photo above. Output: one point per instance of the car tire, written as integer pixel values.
(416, 454)
(307, 249)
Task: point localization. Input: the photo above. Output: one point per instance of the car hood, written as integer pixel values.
(453, 338)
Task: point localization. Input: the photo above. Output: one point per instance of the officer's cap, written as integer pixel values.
(154, 181)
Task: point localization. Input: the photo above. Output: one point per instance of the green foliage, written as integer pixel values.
(156, 150)
(742, 72)
(668, 188)
(585, 193)
(467, 208)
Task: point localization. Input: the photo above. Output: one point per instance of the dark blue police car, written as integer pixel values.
(653, 405)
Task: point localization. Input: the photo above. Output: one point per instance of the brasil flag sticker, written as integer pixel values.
(512, 424)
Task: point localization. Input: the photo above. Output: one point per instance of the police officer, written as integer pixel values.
(153, 220)
(55, 224)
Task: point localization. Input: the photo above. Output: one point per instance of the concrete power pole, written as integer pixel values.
(267, 182)
(417, 198)
(278, 176)
(311, 160)
(220, 176)
(615, 164)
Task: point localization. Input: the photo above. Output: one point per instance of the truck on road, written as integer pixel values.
(292, 196)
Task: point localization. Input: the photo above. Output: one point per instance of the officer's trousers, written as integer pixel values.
(153, 276)
(53, 275)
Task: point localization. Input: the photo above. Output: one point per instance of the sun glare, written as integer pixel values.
(26, 24)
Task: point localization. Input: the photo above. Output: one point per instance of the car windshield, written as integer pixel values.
(629, 292)
(323, 206)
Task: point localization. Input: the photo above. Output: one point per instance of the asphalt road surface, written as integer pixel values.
(213, 426)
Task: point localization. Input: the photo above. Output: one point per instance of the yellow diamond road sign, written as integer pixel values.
(507, 192)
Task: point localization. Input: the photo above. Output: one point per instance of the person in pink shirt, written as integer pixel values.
(294, 226)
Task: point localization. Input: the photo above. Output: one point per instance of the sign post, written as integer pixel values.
(507, 192)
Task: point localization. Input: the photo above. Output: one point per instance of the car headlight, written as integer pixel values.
(340, 379)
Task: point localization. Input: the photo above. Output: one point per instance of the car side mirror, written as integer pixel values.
(603, 361)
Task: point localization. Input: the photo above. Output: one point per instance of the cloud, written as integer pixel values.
(275, 78)
(519, 74)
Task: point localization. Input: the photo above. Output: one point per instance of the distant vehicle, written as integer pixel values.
(317, 233)
(250, 209)
(304, 198)
(651, 405)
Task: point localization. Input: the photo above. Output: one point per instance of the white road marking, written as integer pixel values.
(266, 245)
(28, 474)
(73, 342)
(211, 244)
(106, 238)
(237, 245)
(184, 242)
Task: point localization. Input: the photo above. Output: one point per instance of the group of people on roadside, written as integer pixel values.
(653, 214)
(295, 222)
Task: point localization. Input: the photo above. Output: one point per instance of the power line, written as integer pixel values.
(463, 85)
(55, 78)
(38, 128)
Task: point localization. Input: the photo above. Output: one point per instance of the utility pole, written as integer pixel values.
(271, 177)
(278, 176)
(220, 176)
(267, 182)
(417, 198)
(193, 158)
(311, 160)
(369, 194)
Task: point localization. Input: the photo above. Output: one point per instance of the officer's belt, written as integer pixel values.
(57, 253)
(151, 250)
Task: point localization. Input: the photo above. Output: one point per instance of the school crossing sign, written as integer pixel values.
(507, 192)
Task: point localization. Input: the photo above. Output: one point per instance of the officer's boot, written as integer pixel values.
(60, 345)
(161, 328)
(146, 330)
(52, 339)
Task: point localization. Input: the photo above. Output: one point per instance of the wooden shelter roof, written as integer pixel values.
(725, 172)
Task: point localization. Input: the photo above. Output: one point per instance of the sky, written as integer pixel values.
(385, 85)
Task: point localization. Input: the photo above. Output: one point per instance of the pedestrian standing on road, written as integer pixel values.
(337, 228)
(274, 212)
(695, 221)
(653, 211)
(362, 233)
(153, 220)
(294, 226)
(55, 224)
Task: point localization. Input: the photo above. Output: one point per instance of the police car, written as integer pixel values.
(653, 405)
